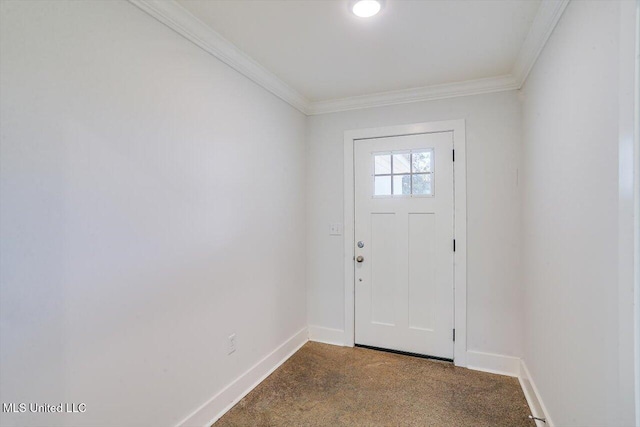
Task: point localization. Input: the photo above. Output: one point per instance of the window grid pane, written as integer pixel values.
(402, 185)
(421, 183)
(402, 163)
(382, 164)
(383, 185)
(421, 162)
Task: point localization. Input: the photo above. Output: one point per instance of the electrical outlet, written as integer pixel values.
(335, 229)
(231, 344)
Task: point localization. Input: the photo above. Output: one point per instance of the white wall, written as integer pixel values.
(152, 202)
(575, 346)
(493, 143)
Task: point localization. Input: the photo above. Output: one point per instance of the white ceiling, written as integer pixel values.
(324, 52)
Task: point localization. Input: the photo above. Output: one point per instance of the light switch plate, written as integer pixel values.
(231, 344)
(335, 229)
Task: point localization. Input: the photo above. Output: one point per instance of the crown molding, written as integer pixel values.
(179, 19)
(176, 17)
(426, 93)
(543, 24)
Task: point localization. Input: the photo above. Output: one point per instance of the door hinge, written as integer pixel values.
(454, 335)
(453, 155)
(454, 245)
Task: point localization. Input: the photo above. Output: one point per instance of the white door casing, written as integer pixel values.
(351, 137)
(404, 269)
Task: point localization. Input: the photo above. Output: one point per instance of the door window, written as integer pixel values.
(403, 173)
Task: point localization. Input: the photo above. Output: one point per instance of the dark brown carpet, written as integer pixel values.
(324, 385)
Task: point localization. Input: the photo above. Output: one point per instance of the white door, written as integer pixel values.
(404, 243)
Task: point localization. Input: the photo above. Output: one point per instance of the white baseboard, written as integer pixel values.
(326, 335)
(224, 400)
(538, 409)
(493, 363)
(513, 367)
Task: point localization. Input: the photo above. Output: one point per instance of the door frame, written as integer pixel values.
(457, 127)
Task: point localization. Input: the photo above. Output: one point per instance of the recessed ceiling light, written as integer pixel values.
(366, 8)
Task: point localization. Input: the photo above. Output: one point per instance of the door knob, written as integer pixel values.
(359, 258)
